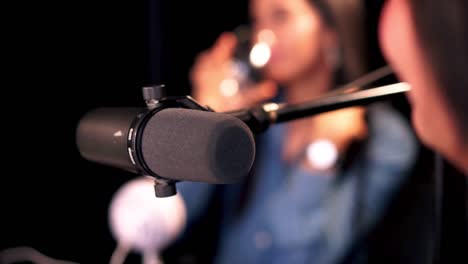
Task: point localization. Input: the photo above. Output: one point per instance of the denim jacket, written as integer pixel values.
(294, 216)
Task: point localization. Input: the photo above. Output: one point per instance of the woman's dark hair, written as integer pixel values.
(347, 18)
(442, 30)
(325, 11)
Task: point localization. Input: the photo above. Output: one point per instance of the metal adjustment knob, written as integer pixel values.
(152, 94)
(163, 188)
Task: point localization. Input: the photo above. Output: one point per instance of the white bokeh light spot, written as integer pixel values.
(322, 154)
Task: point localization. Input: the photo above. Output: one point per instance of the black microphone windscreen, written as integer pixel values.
(193, 145)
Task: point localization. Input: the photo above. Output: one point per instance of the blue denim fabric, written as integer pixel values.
(296, 217)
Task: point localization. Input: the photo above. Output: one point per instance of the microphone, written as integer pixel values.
(176, 139)
(140, 222)
(173, 140)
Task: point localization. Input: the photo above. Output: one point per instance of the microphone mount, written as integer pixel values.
(156, 99)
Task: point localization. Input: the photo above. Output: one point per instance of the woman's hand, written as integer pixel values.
(211, 69)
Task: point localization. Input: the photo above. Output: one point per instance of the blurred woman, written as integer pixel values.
(318, 183)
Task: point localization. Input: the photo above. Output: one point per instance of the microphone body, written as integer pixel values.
(103, 133)
(173, 141)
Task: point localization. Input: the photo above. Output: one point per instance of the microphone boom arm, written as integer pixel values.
(259, 118)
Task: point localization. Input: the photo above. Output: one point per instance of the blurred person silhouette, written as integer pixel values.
(425, 42)
(320, 182)
(433, 58)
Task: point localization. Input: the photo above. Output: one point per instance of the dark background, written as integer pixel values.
(65, 59)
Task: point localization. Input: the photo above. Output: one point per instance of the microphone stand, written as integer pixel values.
(259, 118)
